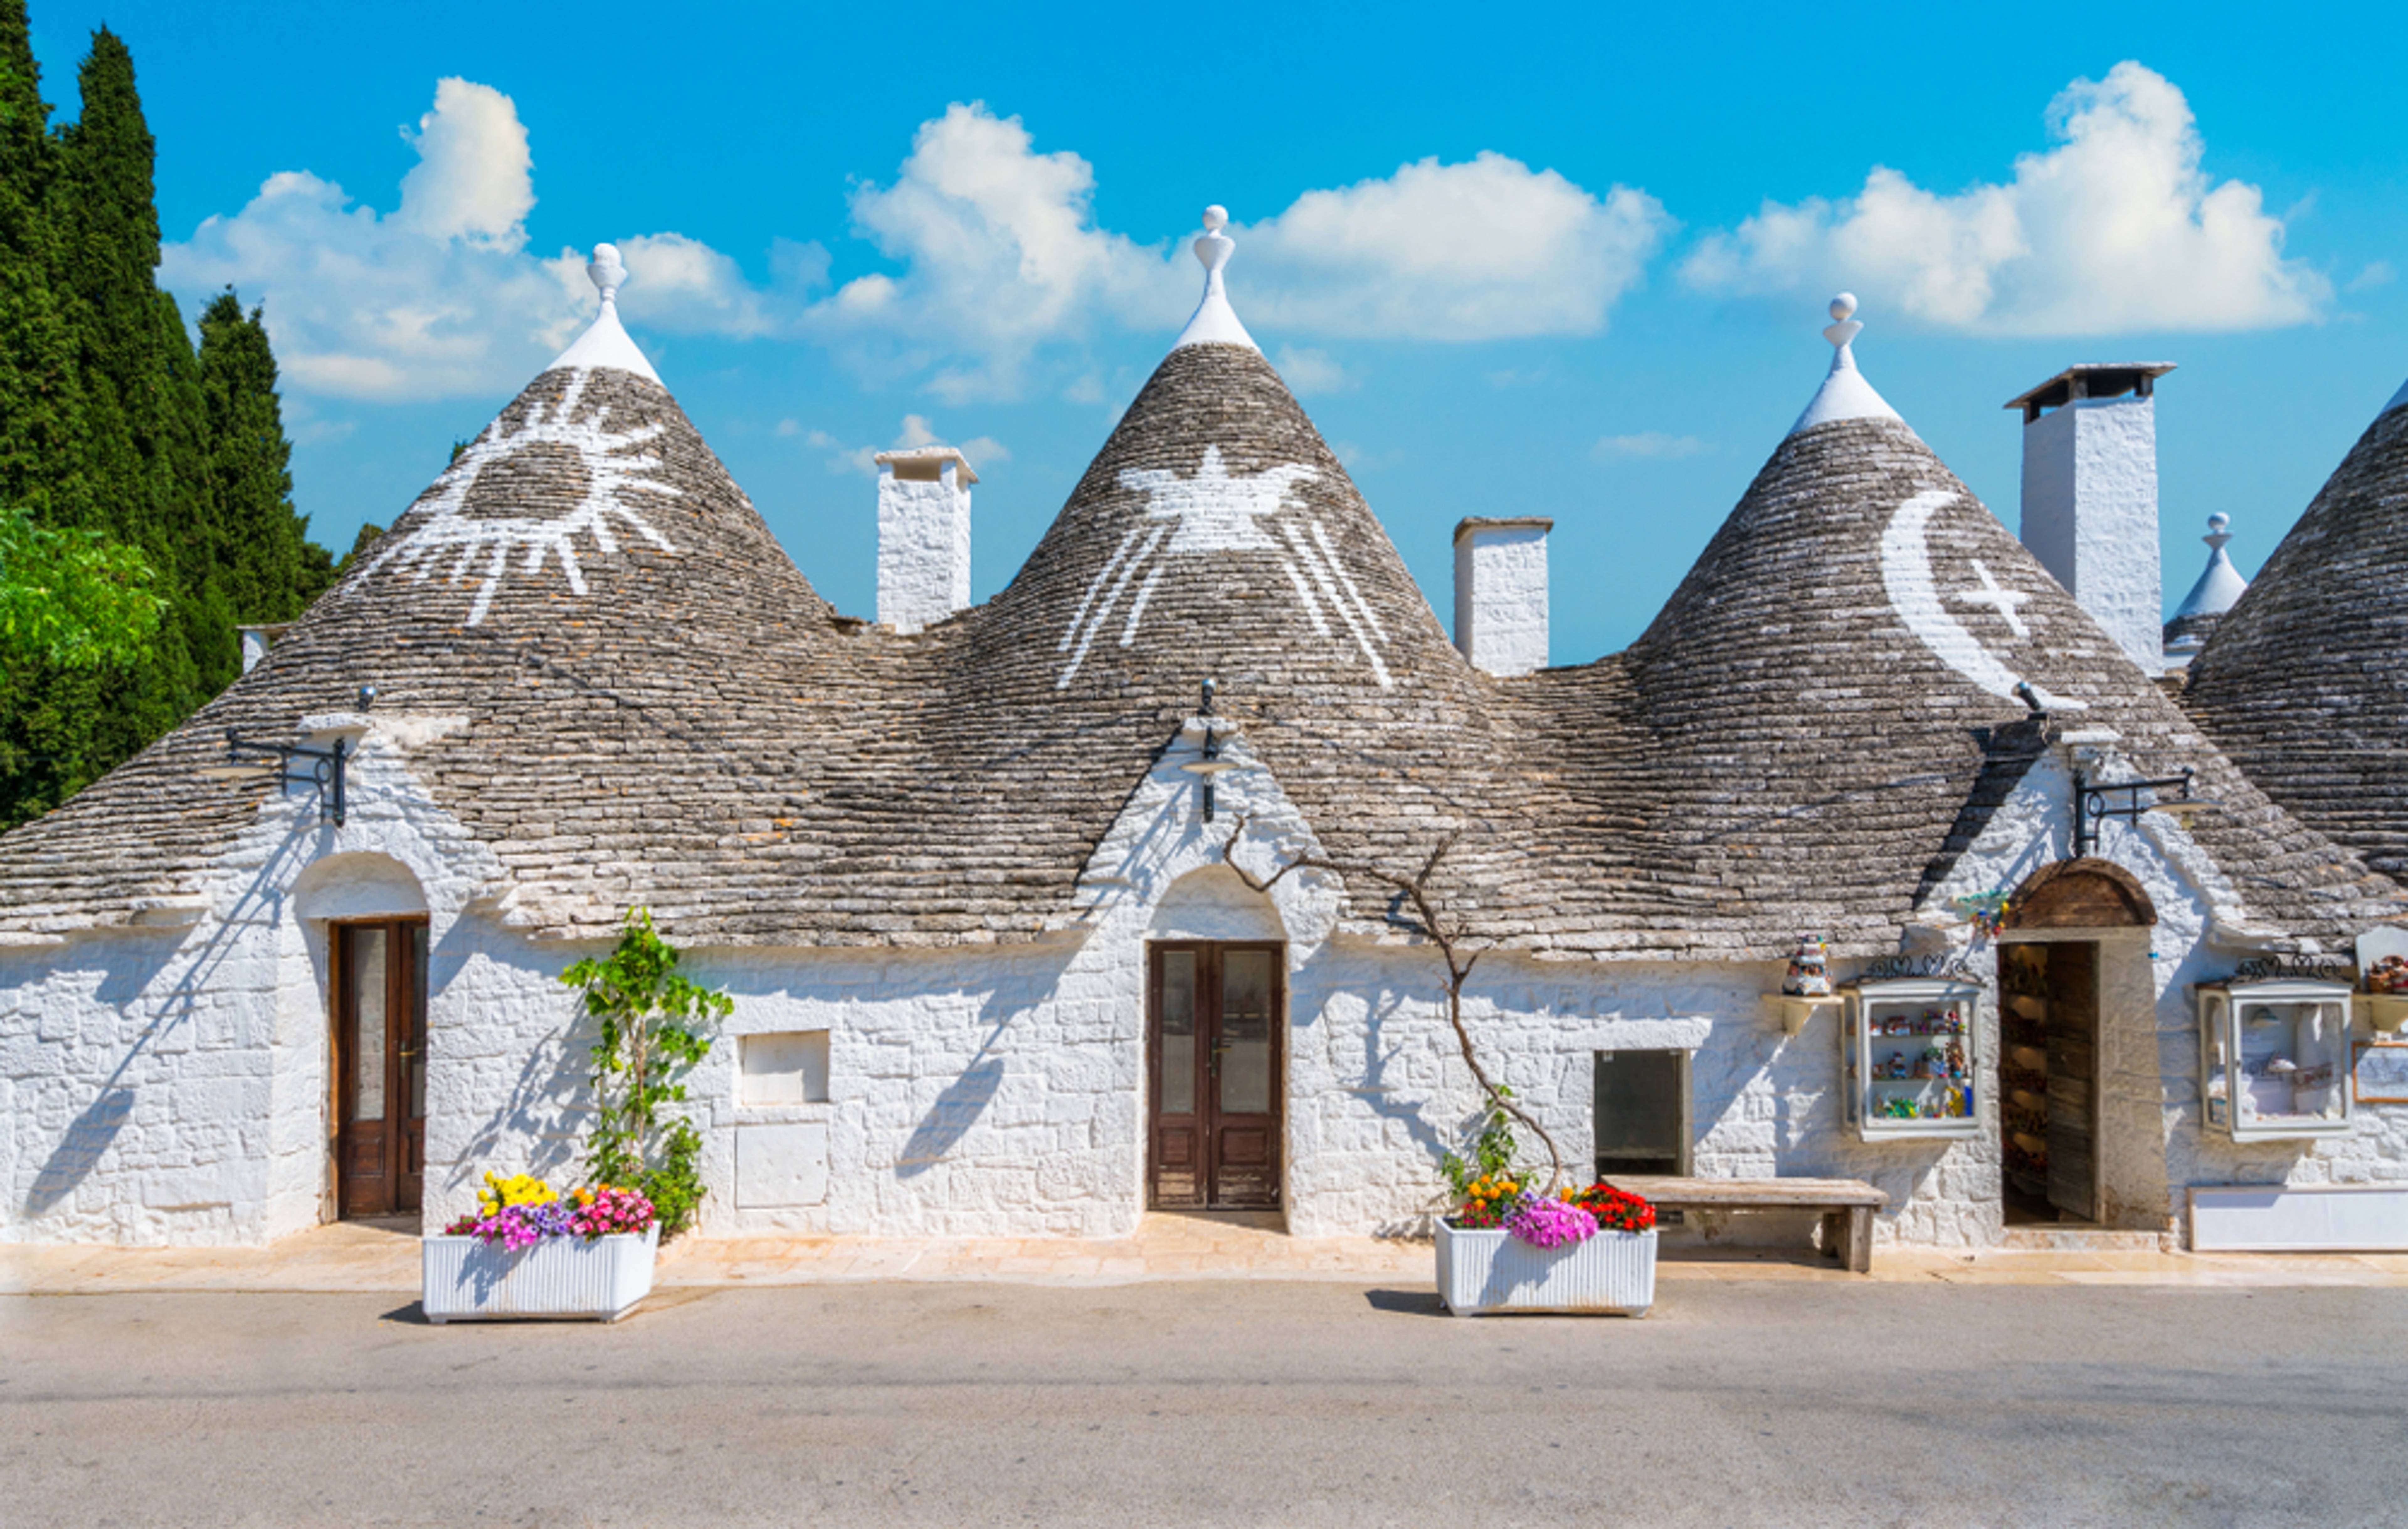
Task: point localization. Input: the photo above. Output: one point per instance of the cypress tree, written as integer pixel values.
(41, 414)
(272, 570)
(146, 453)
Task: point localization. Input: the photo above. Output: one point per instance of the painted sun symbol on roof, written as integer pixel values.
(1213, 512)
(483, 544)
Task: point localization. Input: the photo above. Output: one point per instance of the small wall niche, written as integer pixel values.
(783, 1067)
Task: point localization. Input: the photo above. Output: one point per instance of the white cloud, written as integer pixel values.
(2116, 229)
(997, 255)
(982, 450)
(1001, 255)
(1309, 371)
(1647, 446)
(1485, 250)
(441, 297)
(2378, 273)
(473, 179)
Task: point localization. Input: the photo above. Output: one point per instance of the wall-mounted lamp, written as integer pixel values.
(249, 761)
(2091, 804)
(1209, 763)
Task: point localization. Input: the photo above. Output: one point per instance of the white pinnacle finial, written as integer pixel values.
(1213, 246)
(1844, 394)
(605, 342)
(1842, 328)
(607, 274)
(1215, 322)
(2219, 530)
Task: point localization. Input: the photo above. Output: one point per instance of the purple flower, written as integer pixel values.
(1550, 1224)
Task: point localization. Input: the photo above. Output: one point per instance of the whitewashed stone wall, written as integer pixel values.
(2152, 1143)
(170, 1085)
(167, 1083)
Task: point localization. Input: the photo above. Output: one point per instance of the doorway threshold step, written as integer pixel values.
(2080, 1237)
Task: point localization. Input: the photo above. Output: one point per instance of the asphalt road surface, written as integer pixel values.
(1744, 1403)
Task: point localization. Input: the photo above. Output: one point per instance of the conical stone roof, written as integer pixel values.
(1826, 714)
(607, 646)
(2304, 682)
(1216, 537)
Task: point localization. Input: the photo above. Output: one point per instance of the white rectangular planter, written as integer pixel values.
(1483, 1271)
(468, 1279)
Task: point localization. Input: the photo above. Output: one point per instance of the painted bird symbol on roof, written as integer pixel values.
(1211, 513)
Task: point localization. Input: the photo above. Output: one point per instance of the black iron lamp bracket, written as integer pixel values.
(298, 765)
(2096, 800)
(1209, 763)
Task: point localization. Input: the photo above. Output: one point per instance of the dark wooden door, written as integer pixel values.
(2072, 1030)
(379, 1052)
(1213, 1041)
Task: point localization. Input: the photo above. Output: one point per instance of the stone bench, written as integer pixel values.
(1847, 1204)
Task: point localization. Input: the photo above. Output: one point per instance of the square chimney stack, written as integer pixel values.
(1500, 592)
(2090, 496)
(924, 536)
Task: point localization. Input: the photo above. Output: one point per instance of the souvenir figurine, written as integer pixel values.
(1809, 975)
(2388, 974)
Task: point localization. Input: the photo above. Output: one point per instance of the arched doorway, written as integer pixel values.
(2059, 932)
(1216, 1006)
(373, 916)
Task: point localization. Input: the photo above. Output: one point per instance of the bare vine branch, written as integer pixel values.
(1424, 919)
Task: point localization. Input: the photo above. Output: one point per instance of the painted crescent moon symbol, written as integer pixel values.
(1906, 577)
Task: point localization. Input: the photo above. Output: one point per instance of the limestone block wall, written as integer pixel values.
(2153, 1143)
(167, 1082)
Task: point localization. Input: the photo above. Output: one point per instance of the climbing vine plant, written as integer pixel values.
(1414, 907)
(654, 1024)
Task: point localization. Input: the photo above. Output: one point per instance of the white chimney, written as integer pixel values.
(924, 536)
(258, 639)
(1500, 592)
(2090, 496)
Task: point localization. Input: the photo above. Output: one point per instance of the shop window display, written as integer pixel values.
(2274, 1058)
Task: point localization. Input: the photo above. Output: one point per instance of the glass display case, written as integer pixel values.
(2274, 1058)
(1912, 1057)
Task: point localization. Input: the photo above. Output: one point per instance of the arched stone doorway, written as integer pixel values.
(2073, 978)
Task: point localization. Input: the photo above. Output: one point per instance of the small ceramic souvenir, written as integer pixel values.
(1809, 975)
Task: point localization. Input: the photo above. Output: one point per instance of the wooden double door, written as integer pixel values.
(1213, 1024)
(379, 1054)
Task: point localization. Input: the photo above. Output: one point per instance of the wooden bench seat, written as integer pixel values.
(1847, 1204)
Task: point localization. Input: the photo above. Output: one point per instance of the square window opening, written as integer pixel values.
(1642, 1104)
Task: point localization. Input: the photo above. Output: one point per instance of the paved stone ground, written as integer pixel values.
(1791, 1402)
(368, 1256)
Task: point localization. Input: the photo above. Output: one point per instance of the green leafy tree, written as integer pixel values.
(71, 599)
(652, 1022)
(112, 423)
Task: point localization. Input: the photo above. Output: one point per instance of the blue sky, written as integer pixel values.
(1569, 265)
